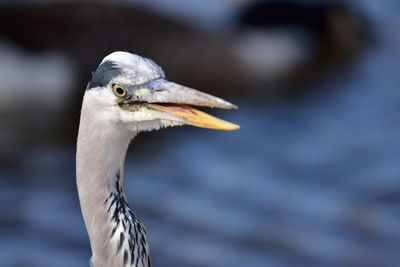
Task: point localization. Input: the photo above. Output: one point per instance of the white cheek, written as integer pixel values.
(103, 95)
(136, 116)
(102, 106)
(141, 120)
(102, 102)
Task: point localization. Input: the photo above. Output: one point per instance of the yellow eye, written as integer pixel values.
(119, 90)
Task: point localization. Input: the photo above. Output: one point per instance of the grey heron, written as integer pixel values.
(128, 94)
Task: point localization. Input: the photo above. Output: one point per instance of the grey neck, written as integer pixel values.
(117, 238)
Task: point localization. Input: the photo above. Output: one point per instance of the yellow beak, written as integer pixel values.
(191, 116)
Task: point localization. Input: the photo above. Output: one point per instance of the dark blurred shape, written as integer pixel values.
(88, 31)
(85, 32)
(335, 30)
(221, 64)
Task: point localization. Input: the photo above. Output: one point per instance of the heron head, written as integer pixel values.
(133, 90)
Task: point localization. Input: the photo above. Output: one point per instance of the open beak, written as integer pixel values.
(175, 99)
(195, 117)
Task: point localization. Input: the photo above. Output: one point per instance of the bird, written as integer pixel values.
(127, 94)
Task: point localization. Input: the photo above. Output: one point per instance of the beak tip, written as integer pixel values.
(230, 127)
(236, 128)
(234, 106)
(228, 105)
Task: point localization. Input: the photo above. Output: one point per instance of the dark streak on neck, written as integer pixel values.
(123, 216)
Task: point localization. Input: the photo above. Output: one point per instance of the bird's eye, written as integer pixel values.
(119, 90)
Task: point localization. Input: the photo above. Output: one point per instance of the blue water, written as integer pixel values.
(310, 182)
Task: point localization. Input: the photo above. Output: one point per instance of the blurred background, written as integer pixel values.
(311, 178)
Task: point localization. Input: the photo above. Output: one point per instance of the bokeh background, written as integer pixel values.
(311, 178)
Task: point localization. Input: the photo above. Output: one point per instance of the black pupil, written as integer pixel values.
(120, 91)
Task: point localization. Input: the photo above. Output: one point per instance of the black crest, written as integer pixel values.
(104, 74)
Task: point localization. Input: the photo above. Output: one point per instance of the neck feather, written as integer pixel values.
(111, 225)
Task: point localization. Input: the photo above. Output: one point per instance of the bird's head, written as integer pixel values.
(133, 91)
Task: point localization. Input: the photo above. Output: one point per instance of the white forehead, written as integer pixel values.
(121, 57)
(134, 62)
